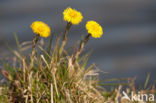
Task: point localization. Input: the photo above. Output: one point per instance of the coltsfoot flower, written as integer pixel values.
(73, 16)
(40, 28)
(94, 29)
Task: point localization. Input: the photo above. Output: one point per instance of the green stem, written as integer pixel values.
(50, 44)
(35, 40)
(64, 38)
(81, 48)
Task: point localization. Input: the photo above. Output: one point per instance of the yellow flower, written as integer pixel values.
(73, 16)
(94, 29)
(41, 28)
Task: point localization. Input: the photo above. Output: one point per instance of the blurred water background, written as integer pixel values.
(127, 48)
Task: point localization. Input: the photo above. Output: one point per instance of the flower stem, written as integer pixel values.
(64, 38)
(81, 48)
(35, 40)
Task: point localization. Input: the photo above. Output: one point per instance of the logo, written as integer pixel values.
(138, 97)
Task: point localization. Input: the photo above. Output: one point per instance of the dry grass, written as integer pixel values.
(52, 76)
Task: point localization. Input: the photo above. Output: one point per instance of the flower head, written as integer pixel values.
(94, 29)
(41, 28)
(72, 15)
